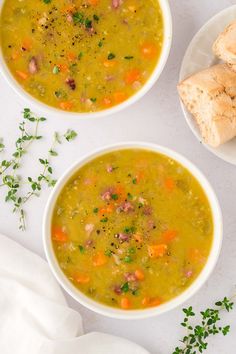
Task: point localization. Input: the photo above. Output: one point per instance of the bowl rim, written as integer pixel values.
(39, 106)
(141, 313)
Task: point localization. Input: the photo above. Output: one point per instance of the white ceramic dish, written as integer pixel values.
(132, 314)
(199, 56)
(41, 107)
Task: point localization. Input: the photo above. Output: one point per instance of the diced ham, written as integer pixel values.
(69, 18)
(130, 276)
(116, 3)
(117, 290)
(122, 237)
(88, 243)
(125, 207)
(106, 195)
(147, 210)
(109, 169)
(188, 273)
(89, 228)
(71, 83)
(33, 65)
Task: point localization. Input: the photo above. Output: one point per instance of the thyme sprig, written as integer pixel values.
(195, 341)
(8, 168)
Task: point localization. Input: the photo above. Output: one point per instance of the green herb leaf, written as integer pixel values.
(95, 210)
(55, 69)
(70, 135)
(104, 219)
(114, 196)
(108, 253)
(125, 287)
(111, 56)
(78, 17)
(82, 249)
(128, 57)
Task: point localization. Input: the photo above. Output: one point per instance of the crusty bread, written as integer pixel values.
(210, 96)
(225, 45)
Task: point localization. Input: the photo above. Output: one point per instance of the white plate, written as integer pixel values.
(199, 56)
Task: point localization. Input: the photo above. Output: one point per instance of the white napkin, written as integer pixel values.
(34, 316)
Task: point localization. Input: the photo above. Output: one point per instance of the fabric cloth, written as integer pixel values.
(34, 316)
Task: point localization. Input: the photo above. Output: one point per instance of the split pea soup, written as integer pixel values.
(83, 55)
(132, 229)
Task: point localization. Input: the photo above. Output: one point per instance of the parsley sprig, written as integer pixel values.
(8, 168)
(195, 341)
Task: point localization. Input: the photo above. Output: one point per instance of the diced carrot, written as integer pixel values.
(68, 8)
(151, 302)
(71, 56)
(139, 274)
(107, 101)
(81, 278)
(99, 259)
(125, 303)
(59, 235)
(23, 75)
(132, 8)
(169, 235)
(109, 63)
(169, 184)
(156, 251)
(15, 54)
(27, 44)
(119, 96)
(131, 76)
(63, 67)
(66, 105)
(195, 255)
(106, 210)
(120, 190)
(139, 176)
(93, 2)
(138, 238)
(149, 50)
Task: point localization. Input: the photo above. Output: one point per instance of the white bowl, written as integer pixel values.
(133, 314)
(42, 107)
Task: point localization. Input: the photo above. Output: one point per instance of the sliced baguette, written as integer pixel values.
(210, 95)
(225, 45)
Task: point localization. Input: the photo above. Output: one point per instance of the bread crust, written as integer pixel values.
(225, 45)
(210, 95)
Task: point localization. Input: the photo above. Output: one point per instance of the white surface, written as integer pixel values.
(156, 118)
(199, 56)
(35, 318)
(144, 313)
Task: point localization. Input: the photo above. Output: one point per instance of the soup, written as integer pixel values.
(132, 229)
(81, 56)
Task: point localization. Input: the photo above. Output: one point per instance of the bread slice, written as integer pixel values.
(210, 95)
(225, 45)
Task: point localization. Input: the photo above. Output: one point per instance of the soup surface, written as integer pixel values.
(132, 229)
(81, 55)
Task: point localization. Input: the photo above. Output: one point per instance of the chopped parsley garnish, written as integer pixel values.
(128, 57)
(96, 18)
(80, 55)
(104, 219)
(128, 259)
(125, 287)
(129, 195)
(81, 248)
(47, 1)
(60, 94)
(130, 230)
(134, 181)
(131, 250)
(114, 196)
(100, 44)
(88, 23)
(93, 99)
(95, 210)
(111, 56)
(78, 17)
(135, 292)
(56, 69)
(108, 253)
(70, 135)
